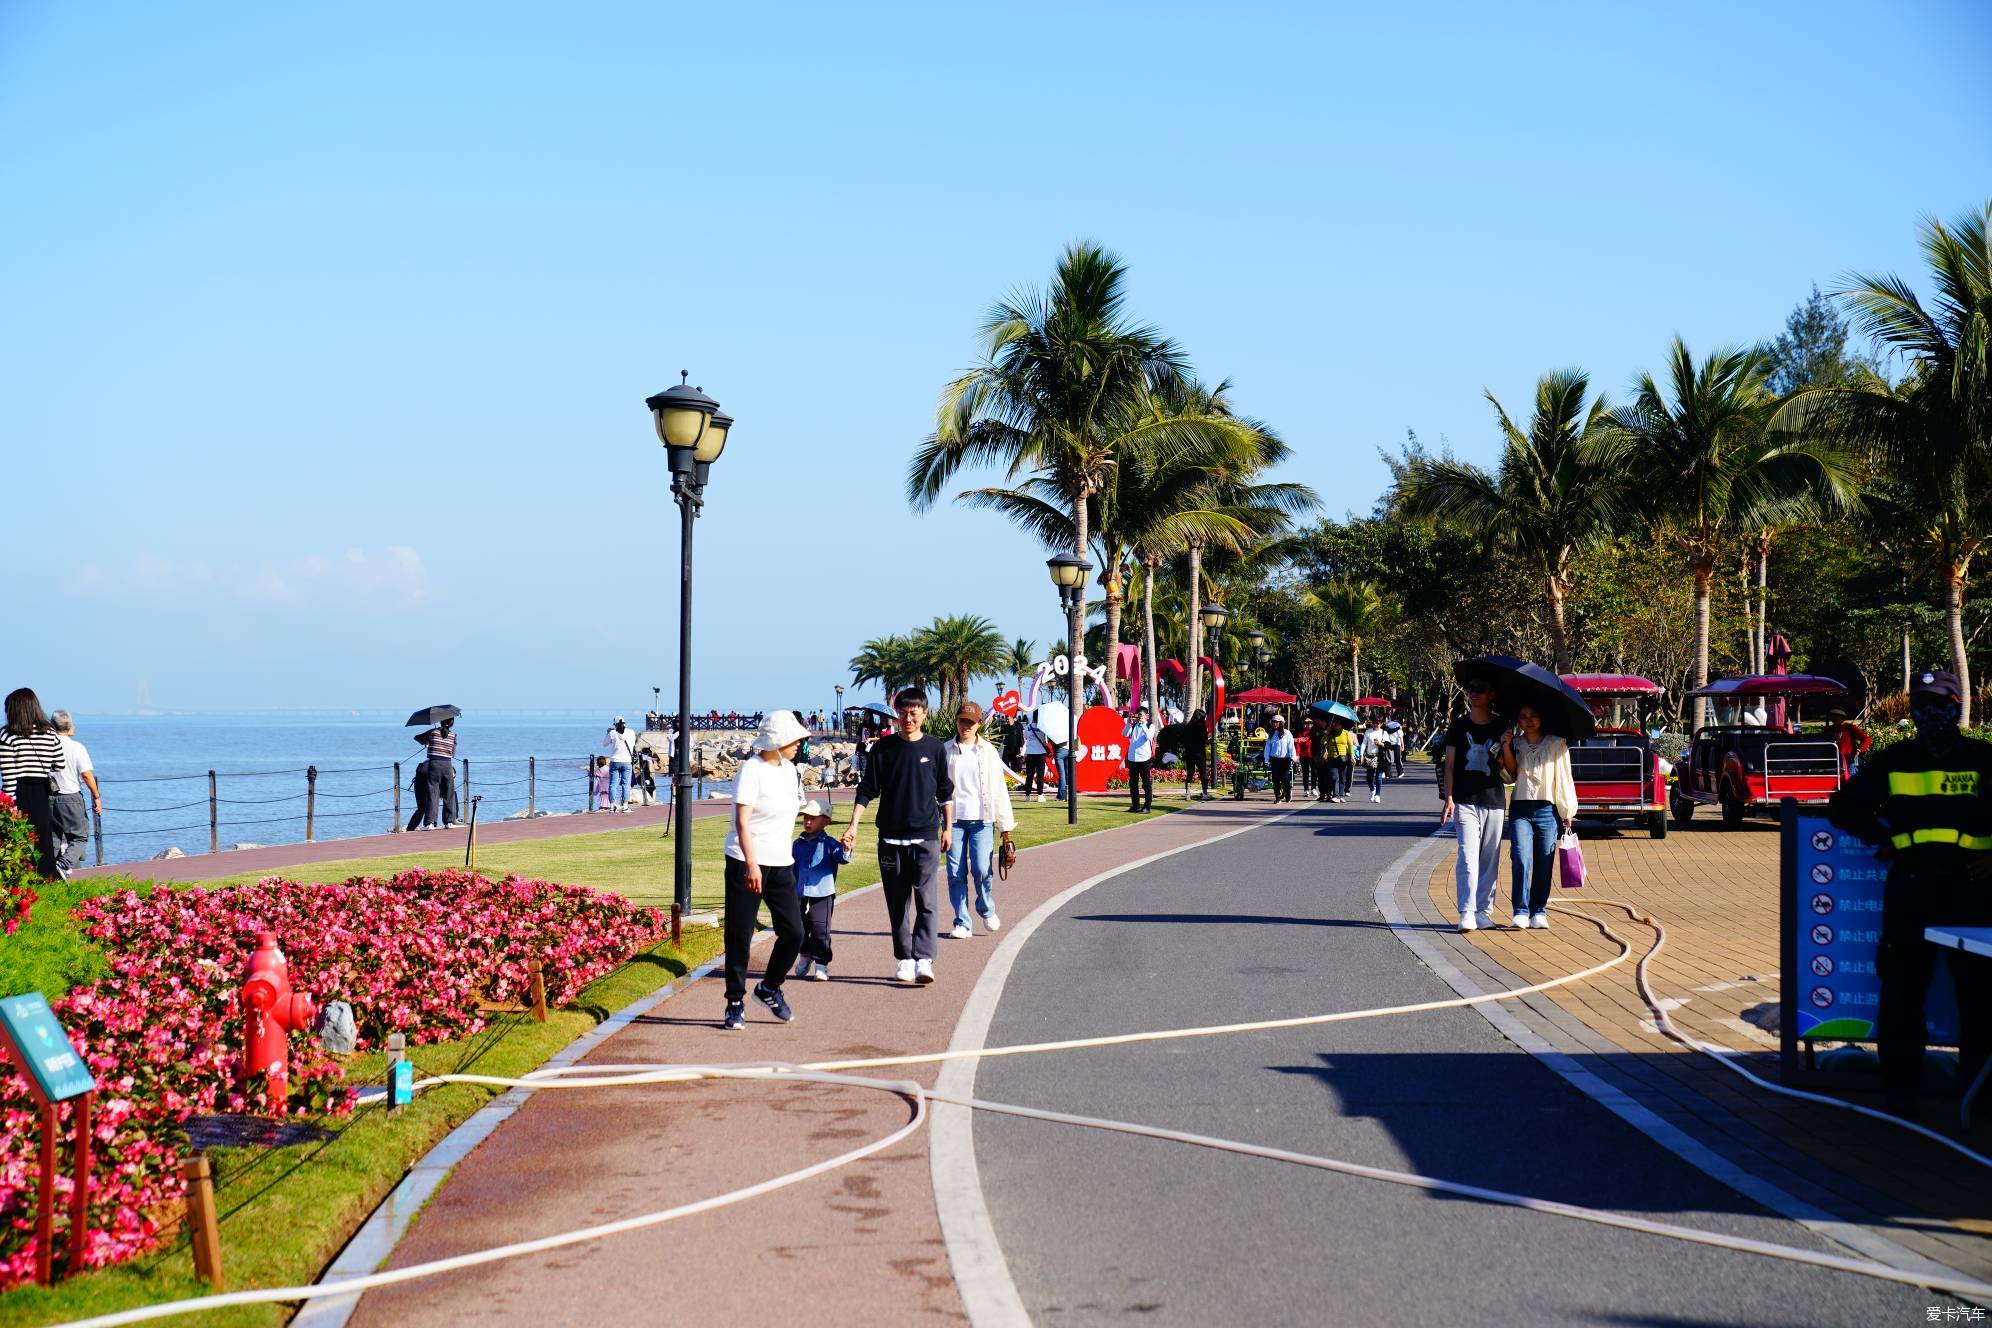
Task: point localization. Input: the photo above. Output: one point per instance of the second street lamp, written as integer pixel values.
(693, 431)
(1213, 615)
(1068, 573)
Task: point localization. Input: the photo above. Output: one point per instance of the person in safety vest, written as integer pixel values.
(1926, 805)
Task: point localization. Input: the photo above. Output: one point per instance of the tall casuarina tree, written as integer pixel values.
(1058, 365)
(1709, 470)
(1560, 488)
(1931, 432)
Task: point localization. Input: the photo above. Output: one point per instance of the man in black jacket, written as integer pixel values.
(1926, 806)
(907, 774)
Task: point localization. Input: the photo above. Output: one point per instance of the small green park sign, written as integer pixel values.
(32, 1036)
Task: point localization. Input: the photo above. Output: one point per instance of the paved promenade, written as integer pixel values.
(1715, 892)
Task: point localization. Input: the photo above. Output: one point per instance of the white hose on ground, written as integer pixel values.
(625, 1075)
(1725, 1056)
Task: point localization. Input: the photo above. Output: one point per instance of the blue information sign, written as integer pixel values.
(34, 1038)
(1831, 911)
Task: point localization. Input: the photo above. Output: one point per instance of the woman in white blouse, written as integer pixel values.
(1541, 808)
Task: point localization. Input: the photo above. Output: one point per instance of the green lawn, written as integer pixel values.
(286, 1235)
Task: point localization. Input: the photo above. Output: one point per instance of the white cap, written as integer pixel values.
(815, 808)
(779, 730)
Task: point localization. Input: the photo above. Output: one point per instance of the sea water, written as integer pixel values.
(154, 772)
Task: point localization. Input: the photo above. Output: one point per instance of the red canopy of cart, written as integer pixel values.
(1609, 685)
(1264, 696)
(1773, 684)
(1363, 702)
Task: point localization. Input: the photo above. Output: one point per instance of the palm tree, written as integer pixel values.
(1933, 431)
(1023, 660)
(1560, 489)
(890, 661)
(1359, 610)
(959, 648)
(1701, 454)
(1058, 366)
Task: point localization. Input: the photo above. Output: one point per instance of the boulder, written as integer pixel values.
(164, 854)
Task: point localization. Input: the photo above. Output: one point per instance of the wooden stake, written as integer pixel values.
(536, 975)
(45, 1200)
(199, 1176)
(79, 1196)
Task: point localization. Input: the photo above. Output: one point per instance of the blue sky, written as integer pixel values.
(329, 327)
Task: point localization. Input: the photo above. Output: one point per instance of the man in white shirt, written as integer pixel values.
(620, 744)
(1280, 750)
(1140, 762)
(1036, 748)
(72, 822)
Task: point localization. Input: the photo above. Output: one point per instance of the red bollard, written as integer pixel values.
(271, 1012)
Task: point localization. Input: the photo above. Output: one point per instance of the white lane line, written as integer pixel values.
(981, 1273)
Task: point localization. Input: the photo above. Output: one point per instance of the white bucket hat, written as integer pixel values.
(815, 808)
(779, 730)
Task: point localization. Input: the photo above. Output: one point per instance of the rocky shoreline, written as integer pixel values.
(717, 754)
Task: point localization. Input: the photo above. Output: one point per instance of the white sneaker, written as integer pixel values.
(822, 973)
(992, 923)
(1522, 921)
(923, 971)
(961, 933)
(1540, 922)
(1376, 797)
(1468, 924)
(904, 973)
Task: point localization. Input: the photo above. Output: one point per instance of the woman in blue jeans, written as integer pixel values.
(1542, 807)
(981, 811)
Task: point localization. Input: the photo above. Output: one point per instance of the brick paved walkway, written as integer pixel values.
(1716, 893)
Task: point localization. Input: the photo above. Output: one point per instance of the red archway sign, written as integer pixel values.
(1102, 749)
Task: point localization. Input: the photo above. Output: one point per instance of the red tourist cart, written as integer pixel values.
(1617, 772)
(1749, 760)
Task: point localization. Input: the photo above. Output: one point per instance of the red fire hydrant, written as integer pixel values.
(271, 1012)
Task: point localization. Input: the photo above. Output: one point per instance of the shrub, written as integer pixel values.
(419, 953)
(17, 866)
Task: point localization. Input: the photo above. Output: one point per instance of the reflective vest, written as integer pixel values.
(1921, 804)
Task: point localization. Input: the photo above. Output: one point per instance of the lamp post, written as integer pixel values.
(1068, 573)
(840, 707)
(1213, 615)
(693, 431)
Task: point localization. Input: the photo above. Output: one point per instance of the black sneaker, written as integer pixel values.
(771, 998)
(736, 1016)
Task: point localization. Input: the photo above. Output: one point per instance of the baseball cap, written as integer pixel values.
(814, 807)
(1936, 682)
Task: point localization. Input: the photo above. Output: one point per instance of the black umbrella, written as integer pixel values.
(1518, 683)
(433, 715)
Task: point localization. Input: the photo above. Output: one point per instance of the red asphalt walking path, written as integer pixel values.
(860, 1245)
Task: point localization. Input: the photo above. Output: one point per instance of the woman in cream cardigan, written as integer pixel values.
(981, 804)
(1541, 808)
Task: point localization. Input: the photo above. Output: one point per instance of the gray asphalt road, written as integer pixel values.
(1101, 1228)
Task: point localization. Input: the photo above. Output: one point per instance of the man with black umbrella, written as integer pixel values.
(1926, 806)
(438, 773)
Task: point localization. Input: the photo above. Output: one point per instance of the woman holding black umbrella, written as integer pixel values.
(1544, 804)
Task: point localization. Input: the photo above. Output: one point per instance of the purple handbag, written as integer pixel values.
(1570, 861)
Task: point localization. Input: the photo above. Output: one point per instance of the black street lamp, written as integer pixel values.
(1069, 574)
(838, 722)
(1213, 615)
(693, 431)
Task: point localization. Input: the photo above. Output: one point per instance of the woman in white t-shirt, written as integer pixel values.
(760, 867)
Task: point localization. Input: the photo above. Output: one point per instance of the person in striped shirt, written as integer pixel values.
(30, 760)
(438, 775)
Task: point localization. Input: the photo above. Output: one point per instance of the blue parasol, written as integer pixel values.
(1336, 710)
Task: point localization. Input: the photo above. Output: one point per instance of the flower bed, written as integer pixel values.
(17, 867)
(421, 953)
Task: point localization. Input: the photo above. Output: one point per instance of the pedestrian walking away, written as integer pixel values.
(1926, 806)
(1139, 737)
(1341, 761)
(1196, 754)
(30, 764)
(1280, 753)
(908, 777)
(1539, 814)
(1303, 756)
(1375, 758)
(620, 744)
(816, 858)
(1476, 802)
(760, 867)
(981, 811)
(1036, 748)
(438, 799)
(71, 814)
